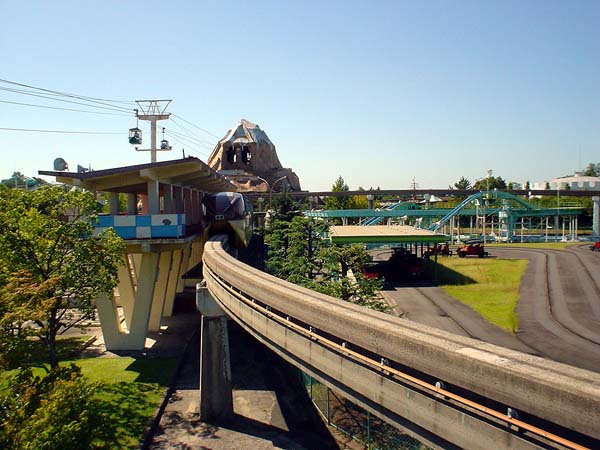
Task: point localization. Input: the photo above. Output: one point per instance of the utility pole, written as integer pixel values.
(153, 111)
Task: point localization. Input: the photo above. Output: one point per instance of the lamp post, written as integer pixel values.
(273, 187)
(557, 211)
(370, 198)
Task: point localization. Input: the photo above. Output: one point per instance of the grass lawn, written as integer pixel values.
(490, 286)
(131, 390)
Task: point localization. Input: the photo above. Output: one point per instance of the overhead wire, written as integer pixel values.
(189, 143)
(188, 131)
(57, 131)
(193, 137)
(197, 141)
(194, 125)
(109, 108)
(193, 141)
(203, 151)
(64, 109)
(66, 94)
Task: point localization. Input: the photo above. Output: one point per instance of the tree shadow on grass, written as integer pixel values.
(33, 353)
(127, 409)
(153, 370)
(447, 276)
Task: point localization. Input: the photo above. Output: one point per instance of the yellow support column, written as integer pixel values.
(126, 288)
(114, 337)
(174, 275)
(158, 299)
(185, 266)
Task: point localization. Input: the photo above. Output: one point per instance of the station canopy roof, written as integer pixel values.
(382, 234)
(188, 172)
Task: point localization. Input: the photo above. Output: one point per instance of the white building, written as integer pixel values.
(577, 182)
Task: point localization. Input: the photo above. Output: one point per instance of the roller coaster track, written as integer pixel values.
(478, 196)
(447, 390)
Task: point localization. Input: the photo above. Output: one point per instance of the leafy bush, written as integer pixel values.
(55, 412)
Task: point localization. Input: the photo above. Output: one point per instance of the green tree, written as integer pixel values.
(294, 247)
(284, 207)
(52, 267)
(592, 170)
(341, 202)
(297, 253)
(463, 183)
(56, 412)
(490, 183)
(527, 185)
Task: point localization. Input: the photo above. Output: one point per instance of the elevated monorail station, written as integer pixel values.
(383, 234)
(157, 209)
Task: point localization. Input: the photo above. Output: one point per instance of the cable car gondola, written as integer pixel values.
(135, 136)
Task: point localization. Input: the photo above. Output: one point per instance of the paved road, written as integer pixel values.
(559, 304)
(558, 308)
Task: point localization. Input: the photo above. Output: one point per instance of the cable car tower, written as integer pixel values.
(153, 111)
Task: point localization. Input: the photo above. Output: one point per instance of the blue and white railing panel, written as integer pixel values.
(143, 226)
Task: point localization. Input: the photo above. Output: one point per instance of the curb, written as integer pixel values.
(152, 428)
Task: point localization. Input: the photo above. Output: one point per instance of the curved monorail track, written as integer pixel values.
(449, 390)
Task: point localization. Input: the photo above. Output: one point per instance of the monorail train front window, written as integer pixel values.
(225, 205)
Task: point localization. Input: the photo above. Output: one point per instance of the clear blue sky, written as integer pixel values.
(378, 92)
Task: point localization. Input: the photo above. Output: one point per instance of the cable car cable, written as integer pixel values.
(188, 143)
(188, 131)
(65, 109)
(110, 108)
(198, 141)
(194, 125)
(57, 131)
(191, 142)
(81, 97)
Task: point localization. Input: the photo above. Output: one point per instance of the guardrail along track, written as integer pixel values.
(391, 366)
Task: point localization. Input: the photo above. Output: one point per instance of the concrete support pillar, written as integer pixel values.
(160, 288)
(370, 199)
(216, 399)
(131, 204)
(126, 288)
(178, 194)
(174, 275)
(136, 259)
(196, 207)
(193, 208)
(169, 204)
(153, 197)
(185, 266)
(114, 337)
(113, 203)
(311, 202)
(196, 256)
(596, 216)
(187, 206)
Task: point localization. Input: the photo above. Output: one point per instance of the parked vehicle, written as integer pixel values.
(472, 249)
(595, 247)
(403, 263)
(438, 249)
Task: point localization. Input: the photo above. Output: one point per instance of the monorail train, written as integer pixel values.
(229, 213)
